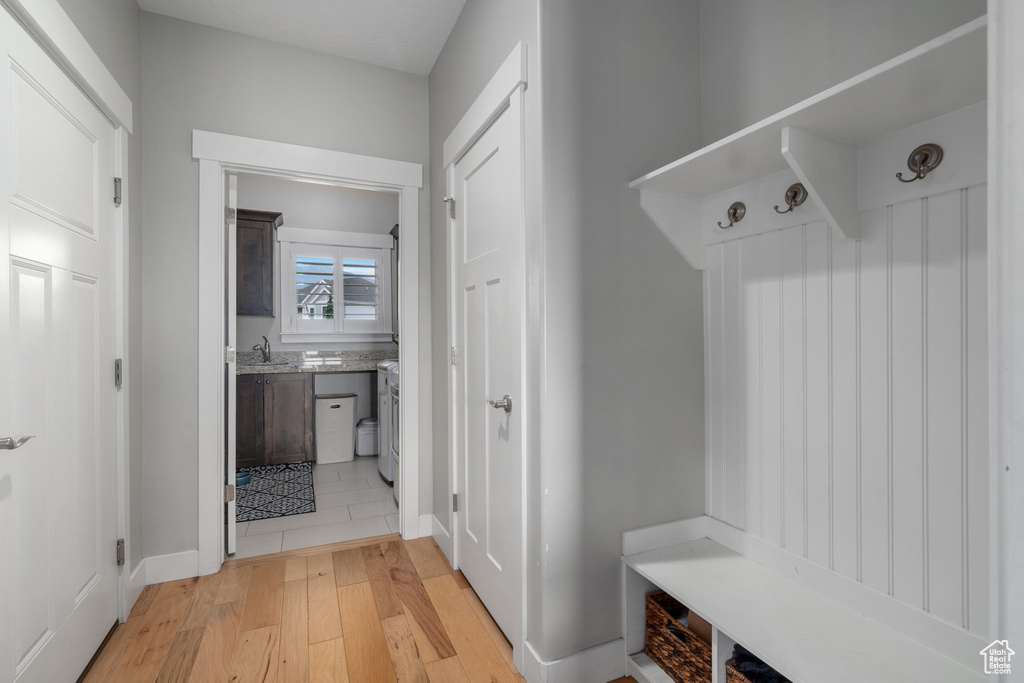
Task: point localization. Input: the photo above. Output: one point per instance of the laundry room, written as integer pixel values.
(315, 321)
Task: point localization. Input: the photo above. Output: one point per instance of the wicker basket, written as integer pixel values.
(677, 650)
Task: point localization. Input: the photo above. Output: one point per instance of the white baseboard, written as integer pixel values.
(426, 526)
(599, 663)
(662, 535)
(133, 588)
(441, 535)
(171, 567)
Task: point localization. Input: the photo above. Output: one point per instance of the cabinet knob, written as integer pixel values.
(257, 381)
(266, 308)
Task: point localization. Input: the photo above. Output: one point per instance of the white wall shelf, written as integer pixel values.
(803, 634)
(818, 137)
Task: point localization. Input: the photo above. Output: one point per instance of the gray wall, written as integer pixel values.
(317, 207)
(198, 77)
(760, 57)
(112, 29)
(484, 35)
(482, 38)
(619, 442)
(622, 443)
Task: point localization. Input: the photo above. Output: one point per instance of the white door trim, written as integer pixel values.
(127, 593)
(47, 21)
(218, 153)
(52, 28)
(497, 95)
(486, 107)
(1006, 319)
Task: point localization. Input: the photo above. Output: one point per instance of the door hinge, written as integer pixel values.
(229, 215)
(455, 502)
(117, 192)
(454, 356)
(117, 374)
(120, 552)
(450, 201)
(229, 354)
(229, 493)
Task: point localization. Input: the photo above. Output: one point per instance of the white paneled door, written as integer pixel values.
(487, 317)
(58, 570)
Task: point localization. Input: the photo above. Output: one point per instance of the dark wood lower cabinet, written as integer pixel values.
(274, 419)
(288, 417)
(249, 445)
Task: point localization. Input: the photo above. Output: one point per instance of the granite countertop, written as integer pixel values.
(281, 362)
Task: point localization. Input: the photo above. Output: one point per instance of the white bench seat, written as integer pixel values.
(803, 634)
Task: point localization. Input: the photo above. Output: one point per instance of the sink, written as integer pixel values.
(270, 362)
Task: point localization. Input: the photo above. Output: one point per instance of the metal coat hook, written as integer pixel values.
(795, 196)
(735, 214)
(922, 161)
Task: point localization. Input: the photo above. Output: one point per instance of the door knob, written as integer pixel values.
(505, 403)
(10, 443)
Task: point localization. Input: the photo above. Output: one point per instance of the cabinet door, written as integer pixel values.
(288, 417)
(255, 262)
(249, 421)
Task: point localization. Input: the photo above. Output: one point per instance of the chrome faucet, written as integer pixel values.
(264, 349)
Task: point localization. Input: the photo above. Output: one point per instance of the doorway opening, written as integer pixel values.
(314, 313)
(264, 166)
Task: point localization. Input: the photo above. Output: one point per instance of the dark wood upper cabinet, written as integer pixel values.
(255, 261)
(288, 417)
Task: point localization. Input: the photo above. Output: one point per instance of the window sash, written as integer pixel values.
(312, 252)
(368, 294)
(347, 298)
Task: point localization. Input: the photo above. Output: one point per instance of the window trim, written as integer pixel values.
(333, 244)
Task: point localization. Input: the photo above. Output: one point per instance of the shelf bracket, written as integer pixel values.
(679, 217)
(828, 169)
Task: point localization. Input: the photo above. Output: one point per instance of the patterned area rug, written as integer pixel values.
(275, 491)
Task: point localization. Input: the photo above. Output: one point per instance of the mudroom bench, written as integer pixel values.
(804, 621)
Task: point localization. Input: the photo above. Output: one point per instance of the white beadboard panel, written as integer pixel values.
(794, 405)
(976, 406)
(944, 362)
(845, 435)
(847, 396)
(715, 382)
(735, 383)
(818, 376)
(908, 388)
(750, 312)
(772, 483)
(875, 453)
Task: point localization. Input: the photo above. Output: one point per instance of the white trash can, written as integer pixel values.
(335, 427)
(367, 441)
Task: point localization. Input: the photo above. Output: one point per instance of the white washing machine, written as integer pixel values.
(384, 460)
(394, 381)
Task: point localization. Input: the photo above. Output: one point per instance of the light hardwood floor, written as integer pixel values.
(377, 609)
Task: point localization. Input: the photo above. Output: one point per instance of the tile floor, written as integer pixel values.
(352, 502)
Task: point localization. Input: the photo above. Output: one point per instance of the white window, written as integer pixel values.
(335, 286)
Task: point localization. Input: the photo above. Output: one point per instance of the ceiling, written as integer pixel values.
(399, 34)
